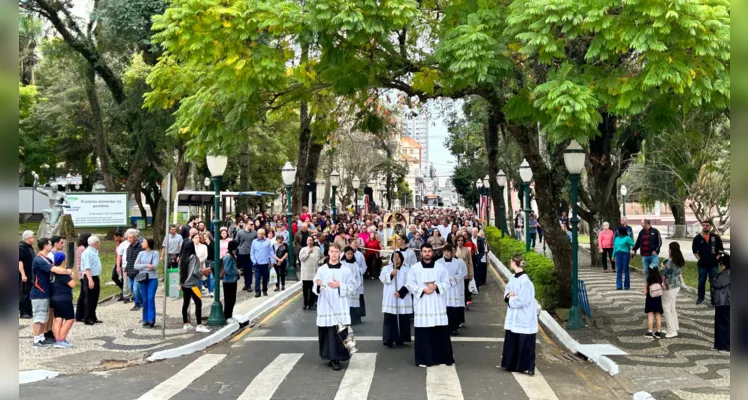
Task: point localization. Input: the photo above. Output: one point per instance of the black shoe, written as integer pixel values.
(336, 365)
(400, 343)
(699, 301)
(283, 287)
(145, 324)
(388, 344)
(306, 307)
(126, 301)
(78, 320)
(277, 289)
(89, 322)
(98, 321)
(265, 293)
(120, 298)
(257, 295)
(135, 308)
(529, 373)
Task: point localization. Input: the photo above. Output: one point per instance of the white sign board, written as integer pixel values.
(98, 209)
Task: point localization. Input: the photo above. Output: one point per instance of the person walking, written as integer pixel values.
(456, 290)
(131, 254)
(519, 223)
(190, 272)
(648, 242)
(653, 290)
(672, 273)
(91, 267)
(224, 242)
(171, 247)
(230, 277)
(624, 225)
(532, 225)
(281, 261)
(622, 251)
(80, 308)
(262, 256)
(25, 259)
(147, 278)
(463, 253)
(373, 262)
(480, 265)
(437, 242)
(721, 300)
(521, 321)
(397, 306)
(310, 257)
(245, 235)
(605, 244)
(707, 247)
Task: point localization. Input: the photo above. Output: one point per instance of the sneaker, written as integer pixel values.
(671, 335)
(40, 345)
(283, 287)
(63, 345)
(211, 295)
(202, 329)
(187, 327)
(724, 352)
(658, 335)
(231, 320)
(49, 342)
(135, 308)
(649, 334)
(699, 301)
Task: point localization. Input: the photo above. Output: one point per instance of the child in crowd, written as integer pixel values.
(653, 290)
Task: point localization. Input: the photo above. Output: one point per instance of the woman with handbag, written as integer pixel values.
(191, 272)
(147, 279)
(671, 271)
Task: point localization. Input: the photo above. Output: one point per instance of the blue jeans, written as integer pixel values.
(135, 290)
(148, 296)
(647, 263)
(622, 267)
(703, 272)
(208, 279)
(533, 235)
(262, 273)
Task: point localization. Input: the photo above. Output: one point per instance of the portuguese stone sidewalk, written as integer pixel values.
(683, 367)
(121, 340)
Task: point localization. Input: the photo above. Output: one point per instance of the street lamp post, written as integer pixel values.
(216, 165)
(574, 160)
(624, 191)
(487, 190)
(334, 182)
(288, 174)
(381, 193)
(526, 174)
(501, 178)
(356, 184)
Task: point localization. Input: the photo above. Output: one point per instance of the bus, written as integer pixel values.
(433, 200)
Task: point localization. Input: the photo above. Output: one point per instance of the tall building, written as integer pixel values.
(417, 128)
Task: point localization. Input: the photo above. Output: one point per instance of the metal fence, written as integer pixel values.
(584, 301)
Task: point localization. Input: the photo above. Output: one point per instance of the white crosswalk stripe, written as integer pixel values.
(536, 387)
(264, 385)
(442, 383)
(170, 387)
(358, 377)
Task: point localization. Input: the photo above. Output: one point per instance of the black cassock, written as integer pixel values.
(722, 328)
(390, 332)
(519, 352)
(331, 344)
(456, 316)
(433, 346)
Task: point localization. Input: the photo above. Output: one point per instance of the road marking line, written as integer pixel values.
(264, 385)
(266, 319)
(535, 387)
(358, 377)
(442, 383)
(179, 381)
(460, 339)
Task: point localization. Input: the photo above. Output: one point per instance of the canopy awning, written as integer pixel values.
(202, 198)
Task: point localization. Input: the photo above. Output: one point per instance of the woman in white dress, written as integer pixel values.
(333, 284)
(521, 323)
(397, 304)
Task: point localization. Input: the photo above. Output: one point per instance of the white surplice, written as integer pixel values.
(332, 304)
(457, 271)
(391, 304)
(352, 267)
(429, 309)
(361, 261)
(522, 313)
(409, 257)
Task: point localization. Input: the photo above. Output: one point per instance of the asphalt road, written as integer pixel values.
(279, 359)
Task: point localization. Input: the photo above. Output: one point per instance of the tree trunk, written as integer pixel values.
(243, 202)
(99, 135)
(679, 213)
(141, 207)
(491, 139)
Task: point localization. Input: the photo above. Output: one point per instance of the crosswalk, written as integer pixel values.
(441, 382)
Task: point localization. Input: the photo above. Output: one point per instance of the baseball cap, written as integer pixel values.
(27, 234)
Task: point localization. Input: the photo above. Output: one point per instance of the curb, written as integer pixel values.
(605, 363)
(35, 375)
(228, 330)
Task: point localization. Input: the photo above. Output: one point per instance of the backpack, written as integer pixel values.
(655, 290)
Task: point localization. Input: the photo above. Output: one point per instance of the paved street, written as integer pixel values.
(278, 359)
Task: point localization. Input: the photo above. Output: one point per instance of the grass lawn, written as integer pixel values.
(584, 239)
(690, 271)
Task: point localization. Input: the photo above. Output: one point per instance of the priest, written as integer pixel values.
(457, 270)
(397, 305)
(409, 256)
(333, 286)
(428, 283)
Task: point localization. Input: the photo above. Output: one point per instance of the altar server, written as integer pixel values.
(361, 262)
(409, 256)
(333, 285)
(521, 323)
(428, 283)
(457, 271)
(354, 300)
(397, 305)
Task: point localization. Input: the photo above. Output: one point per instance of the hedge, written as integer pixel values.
(538, 267)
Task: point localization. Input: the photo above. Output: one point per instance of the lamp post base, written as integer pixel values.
(216, 314)
(575, 319)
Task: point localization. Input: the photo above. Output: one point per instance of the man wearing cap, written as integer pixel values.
(25, 258)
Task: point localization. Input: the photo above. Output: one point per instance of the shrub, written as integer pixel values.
(538, 267)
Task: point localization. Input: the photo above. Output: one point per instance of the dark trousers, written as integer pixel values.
(608, 255)
(280, 274)
(262, 273)
(80, 308)
(468, 294)
(309, 297)
(373, 265)
(481, 273)
(24, 302)
(703, 273)
(115, 278)
(229, 298)
(533, 235)
(187, 295)
(92, 299)
(245, 263)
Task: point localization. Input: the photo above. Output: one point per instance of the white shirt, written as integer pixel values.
(391, 304)
(429, 309)
(444, 230)
(332, 304)
(522, 314)
(457, 272)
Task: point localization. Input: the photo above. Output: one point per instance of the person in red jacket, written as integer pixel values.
(605, 245)
(373, 261)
